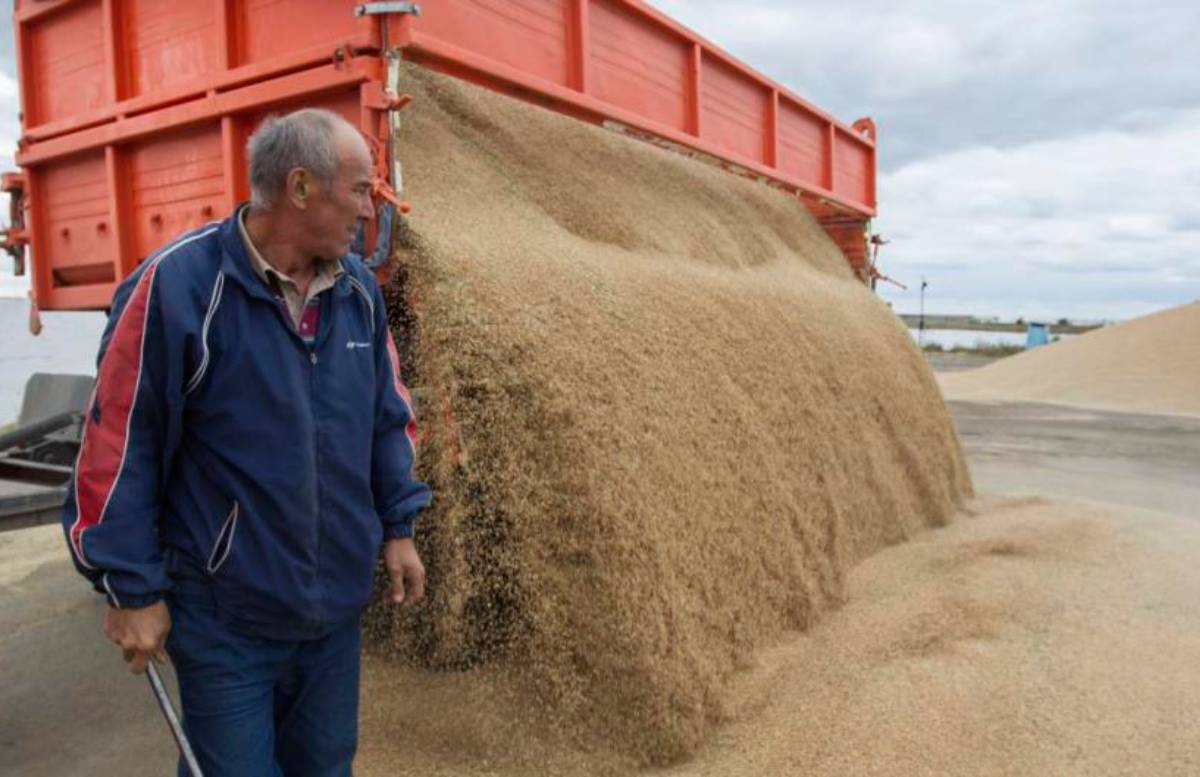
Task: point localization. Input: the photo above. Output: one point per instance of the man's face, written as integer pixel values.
(334, 212)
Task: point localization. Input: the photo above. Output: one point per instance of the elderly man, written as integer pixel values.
(248, 449)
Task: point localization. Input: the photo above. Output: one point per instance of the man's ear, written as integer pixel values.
(299, 187)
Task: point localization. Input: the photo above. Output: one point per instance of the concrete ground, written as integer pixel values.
(955, 361)
(68, 706)
(1145, 461)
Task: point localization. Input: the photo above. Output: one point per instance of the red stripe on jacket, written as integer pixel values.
(410, 430)
(104, 445)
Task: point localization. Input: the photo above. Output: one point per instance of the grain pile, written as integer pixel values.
(1035, 637)
(662, 420)
(1150, 365)
(1030, 637)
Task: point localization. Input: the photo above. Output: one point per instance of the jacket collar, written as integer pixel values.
(237, 264)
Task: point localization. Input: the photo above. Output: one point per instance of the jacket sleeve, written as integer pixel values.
(398, 495)
(111, 513)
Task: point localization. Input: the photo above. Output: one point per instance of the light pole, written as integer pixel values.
(921, 324)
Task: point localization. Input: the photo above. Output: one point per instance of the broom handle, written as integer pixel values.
(168, 710)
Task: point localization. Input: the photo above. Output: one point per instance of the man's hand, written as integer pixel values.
(406, 571)
(141, 633)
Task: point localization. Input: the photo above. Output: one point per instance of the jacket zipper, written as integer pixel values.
(312, 405)
(313, 359)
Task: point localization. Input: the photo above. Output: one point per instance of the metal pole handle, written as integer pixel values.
(168, 710)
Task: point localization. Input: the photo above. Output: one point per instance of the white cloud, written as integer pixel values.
(1099, 225)
(943, 74)
(895, 53)
(1036, 159)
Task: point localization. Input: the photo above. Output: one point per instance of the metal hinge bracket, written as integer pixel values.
(371, 9)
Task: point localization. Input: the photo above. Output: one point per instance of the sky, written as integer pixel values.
(1037, 158)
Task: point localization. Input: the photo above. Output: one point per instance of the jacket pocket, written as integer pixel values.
(224, 543)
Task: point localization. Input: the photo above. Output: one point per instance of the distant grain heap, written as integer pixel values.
(1149, 364)
(661, 417)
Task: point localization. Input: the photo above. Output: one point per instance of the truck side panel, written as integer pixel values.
(136, 112)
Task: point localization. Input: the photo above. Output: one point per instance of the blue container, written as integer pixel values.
(1037, 334)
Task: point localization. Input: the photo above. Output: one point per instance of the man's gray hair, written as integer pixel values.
(303, 138)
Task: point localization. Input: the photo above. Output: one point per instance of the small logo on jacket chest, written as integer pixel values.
(351, 345)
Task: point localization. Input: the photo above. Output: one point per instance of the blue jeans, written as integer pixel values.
(261, 708)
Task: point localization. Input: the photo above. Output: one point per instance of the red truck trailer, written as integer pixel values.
(135, 115)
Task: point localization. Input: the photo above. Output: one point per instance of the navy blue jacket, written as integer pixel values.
(222, 451)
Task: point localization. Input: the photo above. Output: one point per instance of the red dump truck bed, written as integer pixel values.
(135, 112)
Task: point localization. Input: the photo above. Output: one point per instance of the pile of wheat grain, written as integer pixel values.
(1149, 364)
(661, 417)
